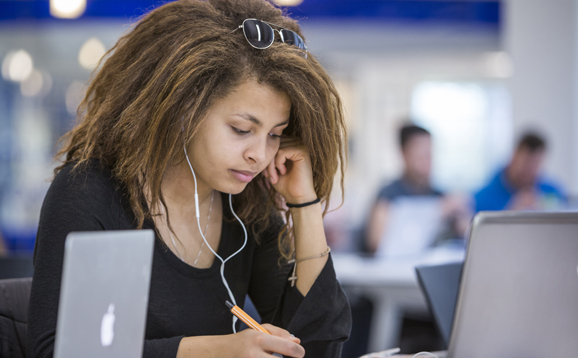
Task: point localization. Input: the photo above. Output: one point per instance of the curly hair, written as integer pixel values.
(159, 81)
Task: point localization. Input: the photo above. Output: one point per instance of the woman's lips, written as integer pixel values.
(243, 176)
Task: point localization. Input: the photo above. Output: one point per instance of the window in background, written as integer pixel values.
(471, 129)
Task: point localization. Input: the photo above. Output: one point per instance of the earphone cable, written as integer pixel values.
(222, 270)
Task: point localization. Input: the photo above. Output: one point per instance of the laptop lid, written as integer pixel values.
(440, 285)
(519, 289)
(104, 294)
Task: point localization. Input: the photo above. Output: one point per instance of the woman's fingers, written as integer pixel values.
(274, 344)
(280, 332)
(290, 162)
(280, 160)
(291, 350)
(251, 343)
(272, 172)
(277, 166)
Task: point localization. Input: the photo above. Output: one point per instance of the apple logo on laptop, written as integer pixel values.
(107, 327)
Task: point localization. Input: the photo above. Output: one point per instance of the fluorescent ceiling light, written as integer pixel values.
(67, 9)
(288, 2)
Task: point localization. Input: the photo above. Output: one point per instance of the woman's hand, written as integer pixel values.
(257, 344)
(290, 172)
(246, 344)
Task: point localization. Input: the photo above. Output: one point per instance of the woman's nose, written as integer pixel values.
(257, 151)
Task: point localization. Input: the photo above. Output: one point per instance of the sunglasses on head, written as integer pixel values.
(261, 35)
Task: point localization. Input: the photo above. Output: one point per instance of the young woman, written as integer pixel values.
(216, 102)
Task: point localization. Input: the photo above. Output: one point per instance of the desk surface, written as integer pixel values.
(353, 269)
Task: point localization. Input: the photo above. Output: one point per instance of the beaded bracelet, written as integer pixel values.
(293, 277)
(304, 204)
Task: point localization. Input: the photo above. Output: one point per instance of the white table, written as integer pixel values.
(392, 286)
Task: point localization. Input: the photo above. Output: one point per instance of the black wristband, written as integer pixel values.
(304, 204)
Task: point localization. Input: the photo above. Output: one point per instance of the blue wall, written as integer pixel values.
(453, 12)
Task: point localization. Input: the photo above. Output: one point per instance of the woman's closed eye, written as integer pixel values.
(239, 131)
(242, 132)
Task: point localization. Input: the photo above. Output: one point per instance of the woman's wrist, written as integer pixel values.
(313, 211)
(311, 195)
(309, 241)
(302, 205)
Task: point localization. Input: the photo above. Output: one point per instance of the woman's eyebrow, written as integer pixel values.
(283, 123)
(253, 119)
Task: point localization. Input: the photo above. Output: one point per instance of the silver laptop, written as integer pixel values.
(519, 289)
(104, 294)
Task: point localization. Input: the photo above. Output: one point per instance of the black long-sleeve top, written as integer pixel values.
(183, 300)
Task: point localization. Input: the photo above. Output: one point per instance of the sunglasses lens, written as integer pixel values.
(291, 38)
(258, 33)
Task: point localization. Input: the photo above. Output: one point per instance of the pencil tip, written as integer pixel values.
(229, 304)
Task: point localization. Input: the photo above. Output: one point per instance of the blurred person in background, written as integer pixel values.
(519, 185)
(417, 333)
(415, 144)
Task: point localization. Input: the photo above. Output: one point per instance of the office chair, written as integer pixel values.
(18, 266)
(14, 297)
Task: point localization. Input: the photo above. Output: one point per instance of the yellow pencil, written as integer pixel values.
(246, 318)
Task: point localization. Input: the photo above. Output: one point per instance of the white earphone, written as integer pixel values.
(198, 215)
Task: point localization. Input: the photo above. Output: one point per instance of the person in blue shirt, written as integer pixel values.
(519, 185)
